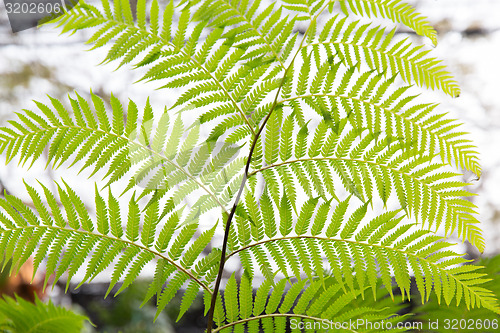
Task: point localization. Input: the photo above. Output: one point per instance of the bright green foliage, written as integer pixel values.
(20, 316)
(67, 242)
(395, 10)
(368, 104)
(303, 303)
(324, 230)
(133, 150)
(369, 166)
(375, 48)
(477, 320)
(306, 121)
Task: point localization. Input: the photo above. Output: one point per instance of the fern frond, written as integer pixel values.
(171, 56)
(67, 247)
(304, 306)
(379, 167)
(355, 43)
(434, 309)
(380, 53)
(266, 33)
(384, 245)
(368, 105)
(19, 315)
(248, 77)
(394, 10)
(135, 150)
(306, 9)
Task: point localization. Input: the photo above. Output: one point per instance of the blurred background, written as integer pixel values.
(39, 62)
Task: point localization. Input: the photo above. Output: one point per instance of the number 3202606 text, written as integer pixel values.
(470, 324)
(33, 8)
